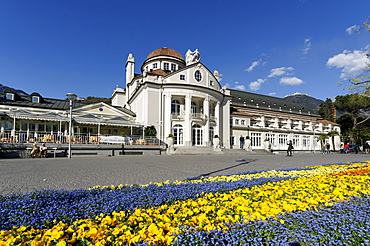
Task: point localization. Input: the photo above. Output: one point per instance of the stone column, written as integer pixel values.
(187, 127)
(218, 122)
(206, 114)
(167, 114)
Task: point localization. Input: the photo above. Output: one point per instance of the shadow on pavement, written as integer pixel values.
(242, 162)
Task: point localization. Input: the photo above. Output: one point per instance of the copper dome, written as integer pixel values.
(165, 52)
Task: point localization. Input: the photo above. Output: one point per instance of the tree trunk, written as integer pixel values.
(332, 141)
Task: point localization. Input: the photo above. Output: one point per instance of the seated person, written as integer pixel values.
(43, 151)
(35, 150)
(346, 148)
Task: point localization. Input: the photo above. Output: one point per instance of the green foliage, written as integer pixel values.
(322, 137)
(361, 84)
(353, 103)
(150, 131)
(91, 99)
(327, 110)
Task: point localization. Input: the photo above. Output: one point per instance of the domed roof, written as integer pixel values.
(165, 52)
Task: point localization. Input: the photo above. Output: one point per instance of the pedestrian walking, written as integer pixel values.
(290, 148)
(327, 148)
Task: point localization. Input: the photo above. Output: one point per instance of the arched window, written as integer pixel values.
(178, 133)
(197, 135)
(175, 107)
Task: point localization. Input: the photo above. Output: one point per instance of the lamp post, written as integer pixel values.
(71, 97)
(14, 111)
(99, 117)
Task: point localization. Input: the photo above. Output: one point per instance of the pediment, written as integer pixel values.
(101, 108)
(195, 74)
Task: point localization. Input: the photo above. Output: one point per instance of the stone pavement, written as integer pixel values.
(26, 175)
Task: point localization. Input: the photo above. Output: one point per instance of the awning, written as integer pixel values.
(91, 119)
(23, 114)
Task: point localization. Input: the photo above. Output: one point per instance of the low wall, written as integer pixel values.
(61, 150)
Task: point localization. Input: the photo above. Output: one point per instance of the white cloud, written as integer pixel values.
(351, 62)
(239, 87)
(220, 77)
(255, 85)
(272, 93)
(254, 65)
(352, 29)
(307, 44)
(279, 71)
(290, 81)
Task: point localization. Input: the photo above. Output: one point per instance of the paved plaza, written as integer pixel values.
(26, 175)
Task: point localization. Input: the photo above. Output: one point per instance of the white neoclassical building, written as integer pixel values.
(183, 97)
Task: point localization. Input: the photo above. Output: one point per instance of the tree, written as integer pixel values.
(331, 135)
(327, 110)
(91, 99)
(150, 131)
(353, 104)
(322, 138)
(361, 84)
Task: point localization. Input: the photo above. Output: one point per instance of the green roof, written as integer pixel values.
(258, 101)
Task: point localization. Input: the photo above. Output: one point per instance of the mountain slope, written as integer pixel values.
(4, 87)
(305, 100)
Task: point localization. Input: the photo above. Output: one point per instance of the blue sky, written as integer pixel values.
(269, 47)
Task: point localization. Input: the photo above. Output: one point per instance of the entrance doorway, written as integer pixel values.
(197, 135)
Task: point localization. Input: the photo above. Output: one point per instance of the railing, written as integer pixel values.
(177, 116)
(55, 137)
(197, 116)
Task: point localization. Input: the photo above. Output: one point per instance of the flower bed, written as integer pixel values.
(314, 205)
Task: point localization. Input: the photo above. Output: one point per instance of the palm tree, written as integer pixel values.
(331, 134)
(322, 138)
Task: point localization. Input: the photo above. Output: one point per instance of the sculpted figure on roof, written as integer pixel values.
(192, 56)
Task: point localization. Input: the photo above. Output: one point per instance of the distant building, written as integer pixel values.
(33, 118)
(183, 97)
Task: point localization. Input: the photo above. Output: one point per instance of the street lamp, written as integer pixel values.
(14, 111)
(71, 97)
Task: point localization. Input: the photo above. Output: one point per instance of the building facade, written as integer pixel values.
(183, 97)
(34, 118)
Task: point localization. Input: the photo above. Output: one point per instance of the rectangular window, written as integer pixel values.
(242, 122)
(236, 122)
(306, 141)
(154, 65)
(256, 139)
(35, 99)
(24, 126)
(49, 127)
(41, 127)
(32, 126)
(182, 77)
(271, 138)
(295, 141)
(8, 125)
(283, 138)
(166, 66)
(211, 83)
(173, 67)
(9, 96)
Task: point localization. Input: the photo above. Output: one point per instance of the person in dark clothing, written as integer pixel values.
(290, 147)
(241, 139)
(356, 148)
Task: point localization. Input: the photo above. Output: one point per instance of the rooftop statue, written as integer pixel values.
(192, 56)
